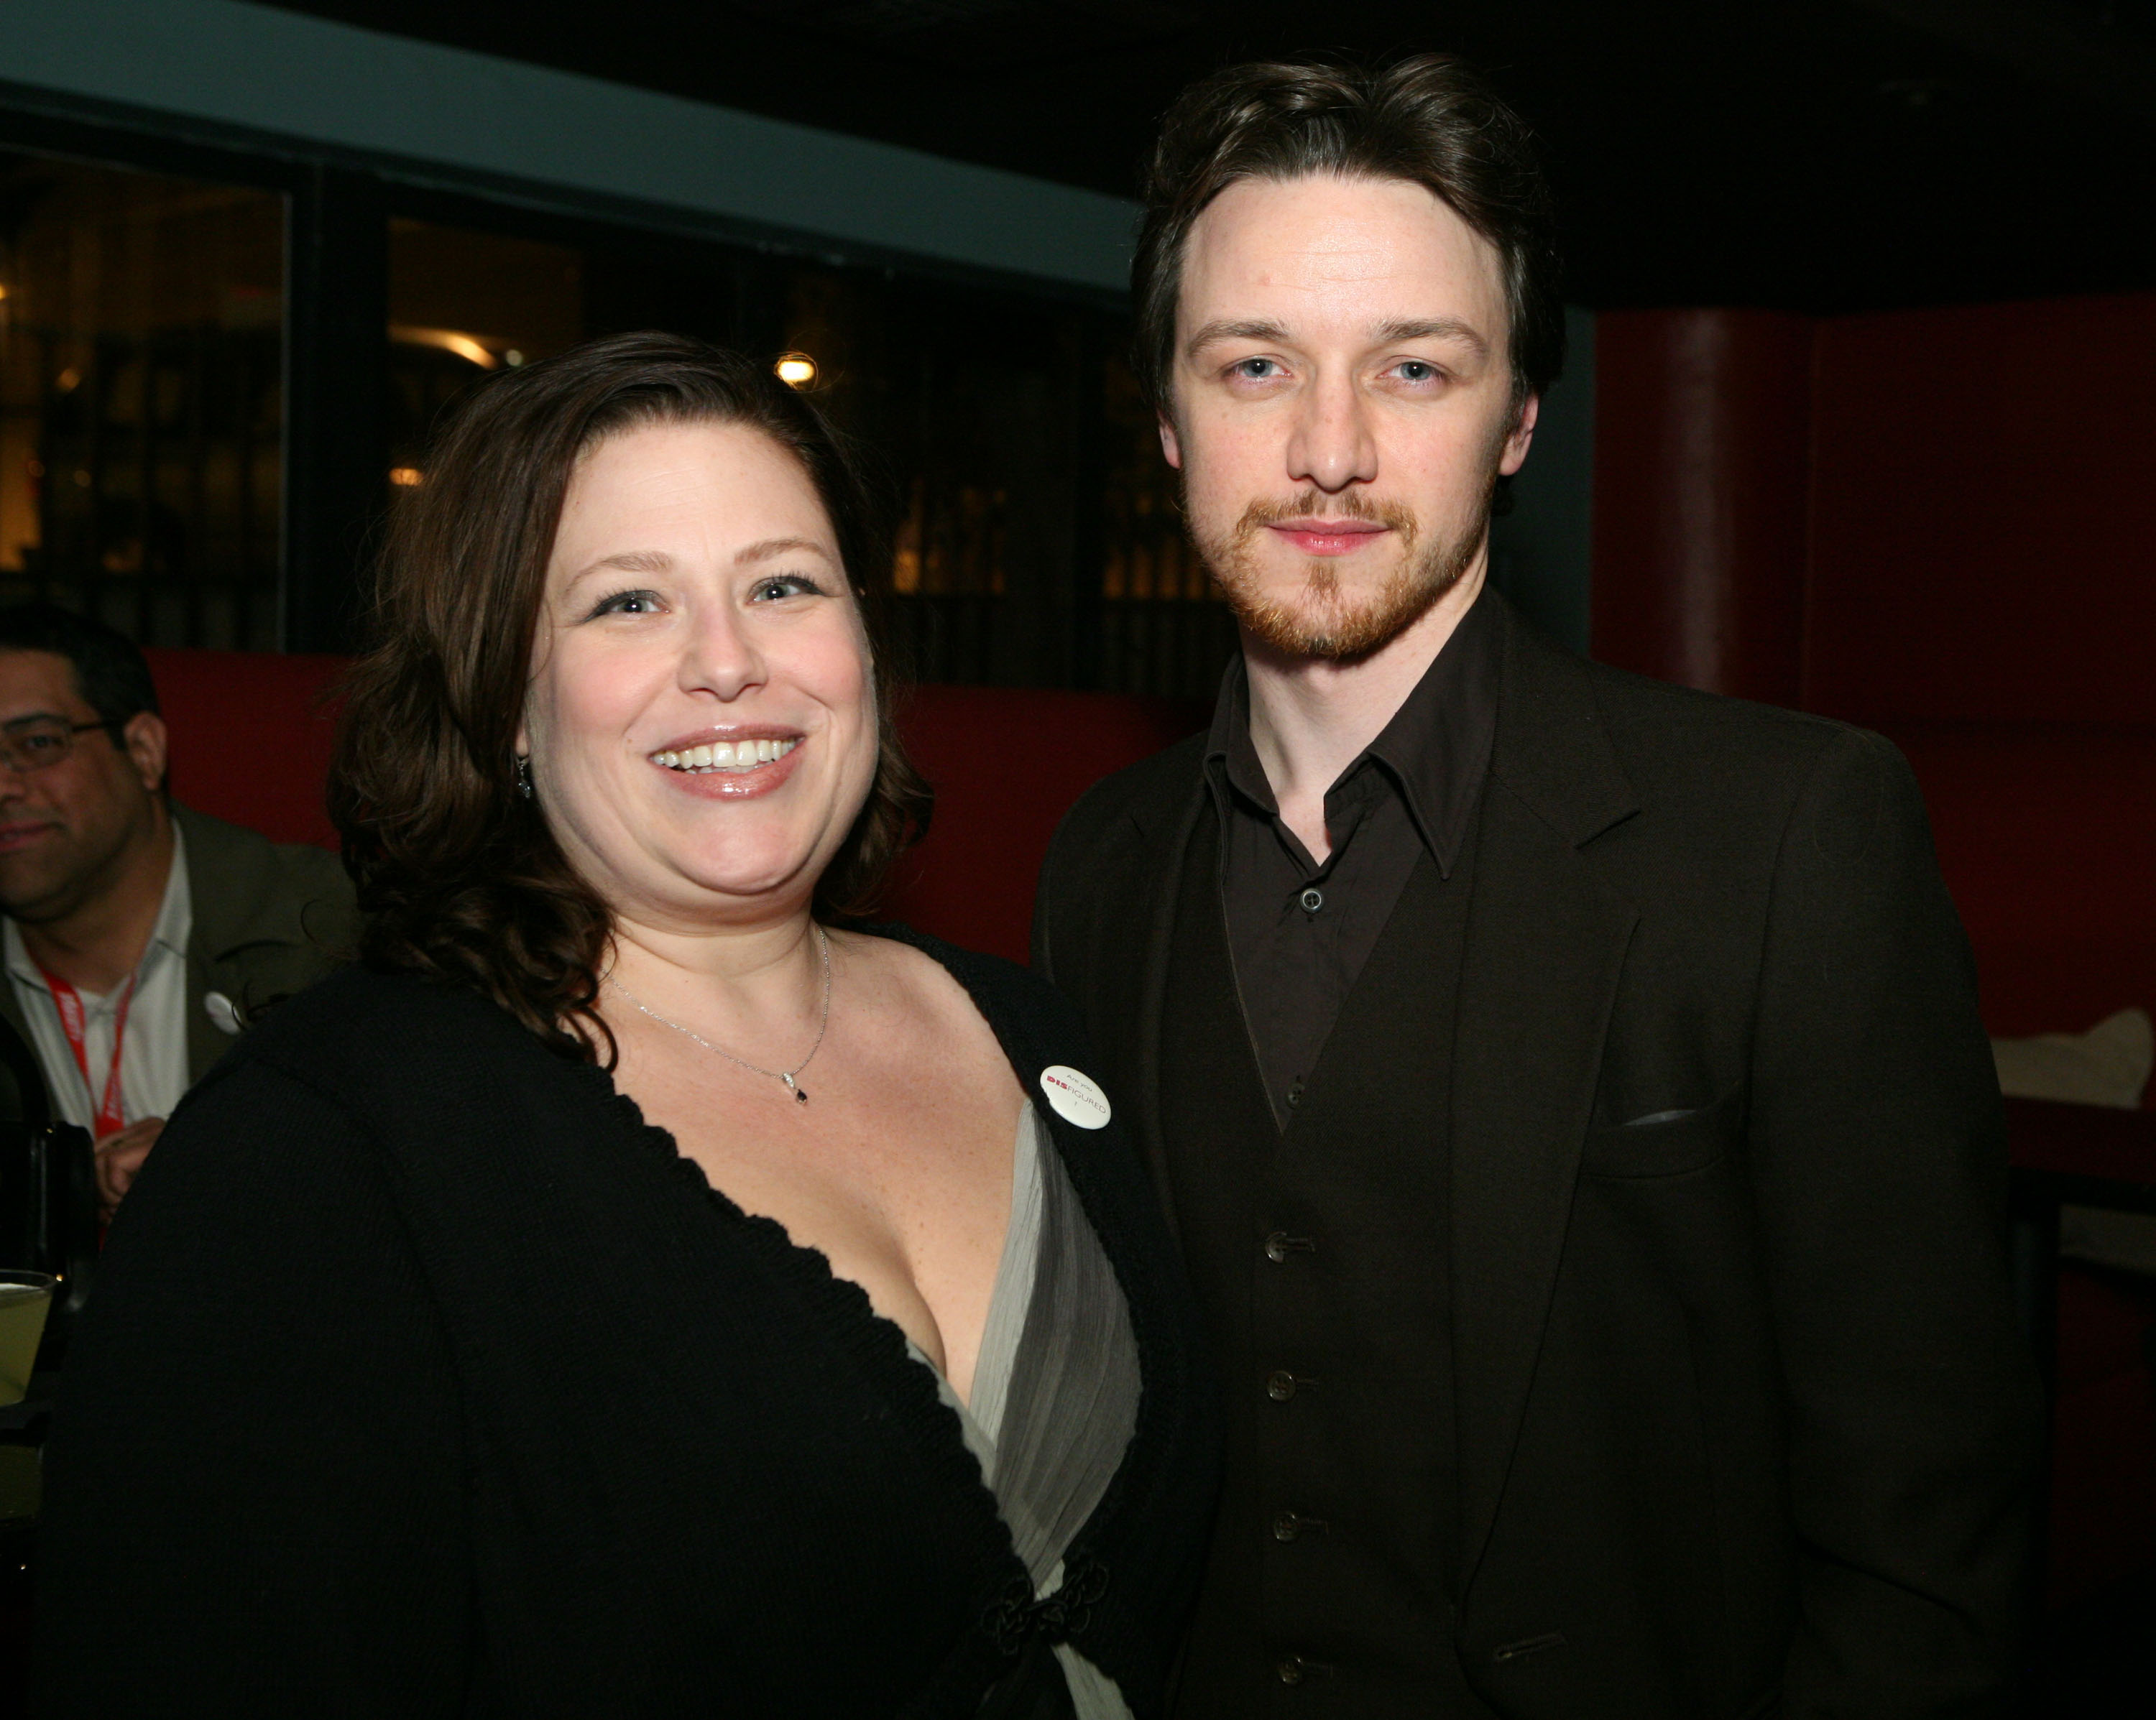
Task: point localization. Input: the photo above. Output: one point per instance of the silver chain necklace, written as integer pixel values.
(823, 1021)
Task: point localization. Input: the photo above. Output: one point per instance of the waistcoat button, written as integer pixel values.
(1313, 900)
(1279, 1385)
(1289, 1671)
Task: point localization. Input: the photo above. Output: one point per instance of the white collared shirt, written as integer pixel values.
(153, 1059)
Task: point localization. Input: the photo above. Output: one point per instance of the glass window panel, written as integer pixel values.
(969, 399)
(462, 304)
(1165, 627)
(142, 387)
(1038, 539)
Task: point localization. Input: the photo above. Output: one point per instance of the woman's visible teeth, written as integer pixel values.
(725, 755)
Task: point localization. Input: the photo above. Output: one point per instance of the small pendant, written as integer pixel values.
(800, 1097)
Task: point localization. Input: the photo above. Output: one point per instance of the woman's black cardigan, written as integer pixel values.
(421, 1378)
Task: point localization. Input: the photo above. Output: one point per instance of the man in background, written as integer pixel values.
(139, 935)
(1567, 1089)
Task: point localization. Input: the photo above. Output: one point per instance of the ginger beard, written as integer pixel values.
(1321, 619)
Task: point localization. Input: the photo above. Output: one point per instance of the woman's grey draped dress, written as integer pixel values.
(1055, 1388)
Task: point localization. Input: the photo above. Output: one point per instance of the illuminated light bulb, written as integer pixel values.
(466, 347)
(797, 369)
(404, 477)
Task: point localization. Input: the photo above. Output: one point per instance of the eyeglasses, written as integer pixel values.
(37, 743)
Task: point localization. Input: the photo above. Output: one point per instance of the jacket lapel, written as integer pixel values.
(1546, 942)
(242, 910)
(213, 868)
(206, 1044)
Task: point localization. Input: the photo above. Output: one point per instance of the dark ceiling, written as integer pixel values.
(1819, 155)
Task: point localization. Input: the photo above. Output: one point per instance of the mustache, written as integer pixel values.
(1312, 504)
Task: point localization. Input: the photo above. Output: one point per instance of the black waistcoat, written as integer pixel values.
(1320, 1255)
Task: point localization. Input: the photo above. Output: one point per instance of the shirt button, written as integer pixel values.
(1313, 900)
(1295, 1091)
(1289, 1671)
(1279, 1245)
(1279, 1385)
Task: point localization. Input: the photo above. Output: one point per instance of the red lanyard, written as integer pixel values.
(111, 1111)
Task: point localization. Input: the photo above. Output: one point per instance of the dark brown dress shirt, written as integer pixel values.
(1301, 930)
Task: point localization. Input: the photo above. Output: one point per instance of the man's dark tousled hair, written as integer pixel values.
(110, 672)
(1430, 119)
(459, 877)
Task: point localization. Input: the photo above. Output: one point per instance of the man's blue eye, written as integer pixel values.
(1415, 370)
(1255, 368)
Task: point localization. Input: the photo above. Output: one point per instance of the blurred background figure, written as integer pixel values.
(140, 936)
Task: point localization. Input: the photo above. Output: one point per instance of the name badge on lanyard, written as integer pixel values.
(75, 1021)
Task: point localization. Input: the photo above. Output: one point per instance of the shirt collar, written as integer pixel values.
(1435, 750)
(1231, 761)
(176, 913)
(19, 965)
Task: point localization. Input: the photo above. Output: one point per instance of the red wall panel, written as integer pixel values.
(1984, 514)
(252, 733)
(1007, 764)
(1700, 437)
(2046, 834)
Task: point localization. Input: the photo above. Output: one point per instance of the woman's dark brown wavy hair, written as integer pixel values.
(459, 877)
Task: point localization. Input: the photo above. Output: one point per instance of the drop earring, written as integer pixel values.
(523, 775)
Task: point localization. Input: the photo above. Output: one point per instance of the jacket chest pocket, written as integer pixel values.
(1666, 1143)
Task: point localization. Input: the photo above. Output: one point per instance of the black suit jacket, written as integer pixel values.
(1744, 1424)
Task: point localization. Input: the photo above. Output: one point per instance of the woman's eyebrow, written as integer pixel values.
(778, 546)
(628, 562)
(659, 561)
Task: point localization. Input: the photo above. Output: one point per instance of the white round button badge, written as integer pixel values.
(1076, 1098)
(221, 1011)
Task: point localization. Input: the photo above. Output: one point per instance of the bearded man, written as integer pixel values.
(1567, 1089)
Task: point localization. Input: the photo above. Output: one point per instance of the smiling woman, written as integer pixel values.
(476, 600)
(642, 1280)
(697, 601)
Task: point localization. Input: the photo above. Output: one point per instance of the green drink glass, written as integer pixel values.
(24, 1299)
